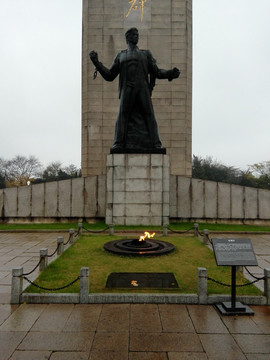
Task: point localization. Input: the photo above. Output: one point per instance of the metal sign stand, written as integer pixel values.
(234, 252)
(234, 307)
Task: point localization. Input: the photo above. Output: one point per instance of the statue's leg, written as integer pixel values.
(125, 108)
(149, 116)
(119, 138)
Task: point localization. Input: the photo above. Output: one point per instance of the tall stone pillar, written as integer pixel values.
(165, 28)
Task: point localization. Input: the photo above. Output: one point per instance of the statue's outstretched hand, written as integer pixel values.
(94, 57)
(175, 73)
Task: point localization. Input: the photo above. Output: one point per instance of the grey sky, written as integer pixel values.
(40, 72)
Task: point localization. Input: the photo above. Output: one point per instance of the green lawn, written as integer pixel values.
(100, 225)
(88, 251)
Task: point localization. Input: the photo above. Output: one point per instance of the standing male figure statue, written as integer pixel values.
(136, 127)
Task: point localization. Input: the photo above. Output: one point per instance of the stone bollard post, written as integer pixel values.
(206, 236)
(165, 229)
(16, 285)
(267, 285)
(196, 229)
(111, 229)
(84, 285)
(80, 228)
(60, 245)
(71, 234)
(43, 253)
(202, 285)
(240, 269)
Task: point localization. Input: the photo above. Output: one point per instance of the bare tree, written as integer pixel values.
(19, 170)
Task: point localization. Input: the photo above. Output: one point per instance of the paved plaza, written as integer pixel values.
(122, 331)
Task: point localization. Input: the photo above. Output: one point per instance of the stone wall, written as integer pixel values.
(195, 199)
(165, 29)
(68, 199)
(190, 199)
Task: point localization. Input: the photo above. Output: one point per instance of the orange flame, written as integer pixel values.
(146, 235)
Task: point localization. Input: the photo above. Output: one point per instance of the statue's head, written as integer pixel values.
(132, 35)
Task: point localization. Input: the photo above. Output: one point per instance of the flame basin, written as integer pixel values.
(134, 247)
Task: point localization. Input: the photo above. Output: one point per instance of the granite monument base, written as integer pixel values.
(137, 189)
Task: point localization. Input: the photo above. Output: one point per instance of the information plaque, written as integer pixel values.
(238, 252)
(234, 252)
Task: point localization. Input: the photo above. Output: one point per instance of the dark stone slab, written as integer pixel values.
(141, 280)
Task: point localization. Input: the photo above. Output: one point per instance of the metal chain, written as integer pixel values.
(198, 231)
(30, 272)
(96, 232)
(60, 288)
(179, 232)
(255, 277)
(67, 240)
(229, 285)
(54, 251)
(78, 232)
(210, 240)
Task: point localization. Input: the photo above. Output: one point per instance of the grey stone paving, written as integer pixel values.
(122, 331)
(131, 332)
(22, 249)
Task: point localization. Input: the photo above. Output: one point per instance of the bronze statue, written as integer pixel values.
(136, 127)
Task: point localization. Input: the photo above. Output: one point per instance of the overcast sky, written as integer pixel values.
(40, 80)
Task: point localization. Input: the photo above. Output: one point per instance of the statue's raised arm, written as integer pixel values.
(94, 57)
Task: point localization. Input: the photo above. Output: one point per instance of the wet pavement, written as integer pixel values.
(131, 332)
(122, 331)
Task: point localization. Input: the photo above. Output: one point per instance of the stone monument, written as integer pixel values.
(165, 27)
(137, 170)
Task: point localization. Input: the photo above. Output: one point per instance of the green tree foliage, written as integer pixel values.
(54, 172)
(262, 172)
(258, 175)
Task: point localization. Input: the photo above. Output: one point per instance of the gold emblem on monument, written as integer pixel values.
(136, 5)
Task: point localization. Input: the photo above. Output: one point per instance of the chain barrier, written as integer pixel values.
(198, 231)
(97, 231)
(229, 285)
(210, 240)
(30, 272)
(55, 251)
(255, 277)
(68, 240)
(49, 289)
(180, 232)
(78, 232)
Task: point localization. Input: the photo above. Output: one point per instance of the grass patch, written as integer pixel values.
(88, 251)
(100, 225)
(220, 227)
